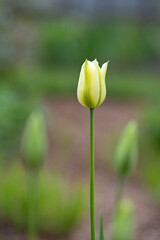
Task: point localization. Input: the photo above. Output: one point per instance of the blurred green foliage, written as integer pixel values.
(14, 111)
(38, 82)
(152, 126)
(60, 206)
(70, 43)
(151, 177)
(150, 148)
(54, 54)
(27, 85)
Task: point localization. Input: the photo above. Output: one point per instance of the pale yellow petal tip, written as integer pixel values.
(85, 64)
(95, 60)
(104, 68)
(96, 63)
(86, 61)
(105, 64)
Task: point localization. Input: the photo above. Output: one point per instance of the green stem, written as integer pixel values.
(119, 192)
(32, 205)
(92, 210)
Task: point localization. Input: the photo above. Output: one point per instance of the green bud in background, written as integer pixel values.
(126, 153)
(34, 140)
(122, 225)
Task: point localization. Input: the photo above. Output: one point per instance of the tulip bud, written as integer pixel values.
(122, 226)
(91, 91)
(126, 152)
(34, 140)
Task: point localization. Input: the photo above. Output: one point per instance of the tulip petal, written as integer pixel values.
(104, 69)
(88, 86)
(103, 83)
(100, 81)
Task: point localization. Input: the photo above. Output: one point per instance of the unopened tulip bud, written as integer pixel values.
(34, 140)
(122, 226)
(91, 90)
(126, 152)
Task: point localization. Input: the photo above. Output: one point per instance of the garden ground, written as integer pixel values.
(69, 130)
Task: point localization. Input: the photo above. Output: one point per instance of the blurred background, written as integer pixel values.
(42, 47)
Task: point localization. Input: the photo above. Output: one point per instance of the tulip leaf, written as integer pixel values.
(101, 232)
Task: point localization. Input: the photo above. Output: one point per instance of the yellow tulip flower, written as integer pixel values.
(91, 91)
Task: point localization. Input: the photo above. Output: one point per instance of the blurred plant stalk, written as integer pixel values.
(119, 191)
(125, 156)
(32, 205)
(125, 159)
(34, 150)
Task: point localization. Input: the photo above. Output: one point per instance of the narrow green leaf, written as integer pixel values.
(101, 233)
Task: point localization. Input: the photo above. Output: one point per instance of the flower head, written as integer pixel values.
(91, 91)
